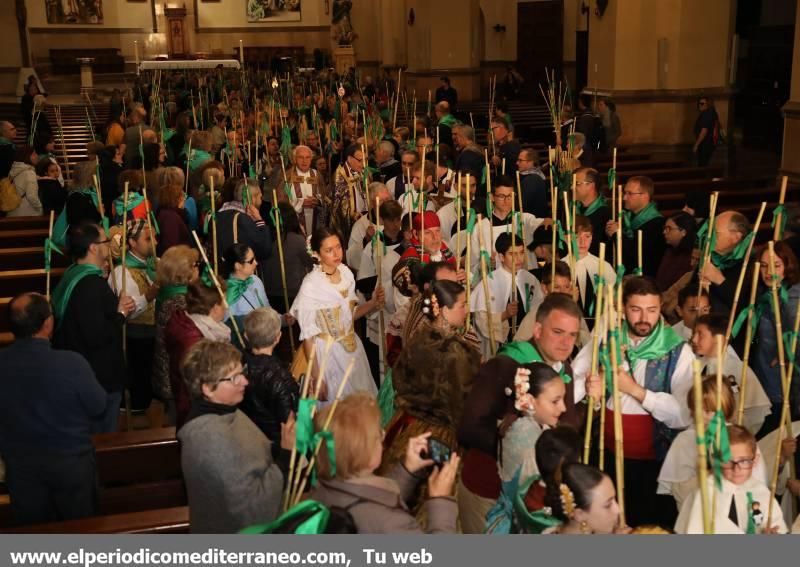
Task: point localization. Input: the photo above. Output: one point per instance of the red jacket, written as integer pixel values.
(173, 229)
(180, 335)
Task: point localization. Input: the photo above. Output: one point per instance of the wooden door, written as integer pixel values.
(540, 43)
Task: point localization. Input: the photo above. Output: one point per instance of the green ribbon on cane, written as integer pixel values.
(154, 222)
(304, 425)
(378, 237)
(275, 216)
(207, 221)
(49, 247)
(472, 219)
(741, 318)
(597, 280)
(779, 210)
(751, 521)
(620, 274)
(484, 257)
(327, 436)
(612, 178)
(719, 453)
(205, 277)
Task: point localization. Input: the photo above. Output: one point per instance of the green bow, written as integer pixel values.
(236, 288)
(49, 247)
(741, 318)
(662, 340)
(620, 274)
(327, 436)
(277, 218)
(288, 188)
(104, 222)
(205, 276)
(718, 452)
(149, 266)
(489, 207)
(207, 221)
(316, 522)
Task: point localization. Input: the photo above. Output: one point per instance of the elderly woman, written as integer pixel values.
(201, 320)
(272, 393)
(378, 504)
(231, 479)
(172, 218)
(177, 268)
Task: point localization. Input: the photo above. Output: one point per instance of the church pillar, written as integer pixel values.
(443, 40)
(790, 162)
(656, 58)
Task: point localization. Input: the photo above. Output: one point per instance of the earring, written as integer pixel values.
(584, 527)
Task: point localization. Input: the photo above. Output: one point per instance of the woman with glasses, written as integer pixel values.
(232, 480)
(680, 232)
(177, 268)
(202, 319)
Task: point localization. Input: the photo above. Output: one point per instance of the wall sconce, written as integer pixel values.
(499, 28)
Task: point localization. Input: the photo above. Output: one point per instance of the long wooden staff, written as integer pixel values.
(619, 454)
(469, 252)
(747, 343)
(778, 234)
(706, 256)
(63, 142)
(514, 268)
(325, 427)
(397, 98)
(570, 256)
(214, 244)
(743, 271)
(293, 457)
(214, 279)
(458, 209)
(49, 253)
(124, 266)
(148, 212)
(378, 251)
(776, 306)
(522, 220)
(487, 296)
(700, 429)
(278, 221)
(554, 213)
(718, 344)
(639, 263)
(599, 295)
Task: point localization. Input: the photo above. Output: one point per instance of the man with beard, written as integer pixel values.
(555, 331)
(655, 375)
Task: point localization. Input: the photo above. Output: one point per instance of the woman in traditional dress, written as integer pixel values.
(433, 374)
(326, 308)
(585, 501)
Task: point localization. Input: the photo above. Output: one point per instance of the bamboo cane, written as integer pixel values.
(49, 254)
(188, 162)
(587, 440)
(522, 220)
(554, 213)
(124, 266)
(707, 248)
(148, 214)
(514, 267)
(778, 235)
(458, 208)
(487, 295)
(718, 343)
(776, 305)
(743, 271)
(278, 221)
(619, 258)
(699, 424)
(468, 259)
(325, 427)
(293, 457)
(214, 244)
(619, 455)
(397, 98)
(570, 257)
(639, 252)
(214, 279)
(378, 251)
(747, 343)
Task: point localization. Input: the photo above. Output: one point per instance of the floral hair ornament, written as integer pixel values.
(430, 306)
(523, 400)
(567, 500)
(309, 249)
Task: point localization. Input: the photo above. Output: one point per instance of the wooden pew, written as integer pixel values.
(14, 282)
(23, 237)
(173, 520)
(29, 257)
(20, 223)
(671, 174)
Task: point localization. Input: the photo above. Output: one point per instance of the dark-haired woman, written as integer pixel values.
(297, 260)
(326, 308)
(680, 231)
(585, 501)
(245, 291)
(433, 374)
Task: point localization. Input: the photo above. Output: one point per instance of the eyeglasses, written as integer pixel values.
(668, 228)
(250, 261)
(584, 183)
(504, 197)
(631, 193)
(236, 378)
(744, 464)
(106, 241)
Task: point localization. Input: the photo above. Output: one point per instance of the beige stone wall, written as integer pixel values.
(499, 46)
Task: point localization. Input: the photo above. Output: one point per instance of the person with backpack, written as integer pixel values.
(706, 131)
(23, 177)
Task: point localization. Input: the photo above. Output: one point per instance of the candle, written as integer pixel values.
(241, 52)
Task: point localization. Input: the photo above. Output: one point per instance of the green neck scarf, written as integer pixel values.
(136, 263)
(523, 352)
(170, 291)
(596, 205)
(134, 200)
(725, 261)
(662, 340)
(447, 120)
(633, 222)
(63, 291)
(316, 521)
(236, 289)
(532, 522)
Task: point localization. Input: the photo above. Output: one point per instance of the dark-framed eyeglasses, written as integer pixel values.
(236, 378)
(744, 464)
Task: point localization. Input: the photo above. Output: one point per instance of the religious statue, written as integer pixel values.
(343, 32)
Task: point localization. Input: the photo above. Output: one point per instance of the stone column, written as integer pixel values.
(790, 162)
(656, 58)
(87, 79)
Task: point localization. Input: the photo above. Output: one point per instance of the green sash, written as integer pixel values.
(198, 158)
(633, 222)
(662, 340)
(725, 261)
(63, 291)
(316, 520)
(236, 289)
(596, 205)
(448, 120)
(170, 291)
(523, 352)
(134, 200)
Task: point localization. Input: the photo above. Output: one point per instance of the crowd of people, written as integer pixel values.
(272, 258)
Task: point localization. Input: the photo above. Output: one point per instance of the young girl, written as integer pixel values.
(584, 500)
(742, 502)
(326, 308)
(678, 475)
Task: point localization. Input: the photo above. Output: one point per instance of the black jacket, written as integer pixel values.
(92, 327)
(271, 395)
(256, 235)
